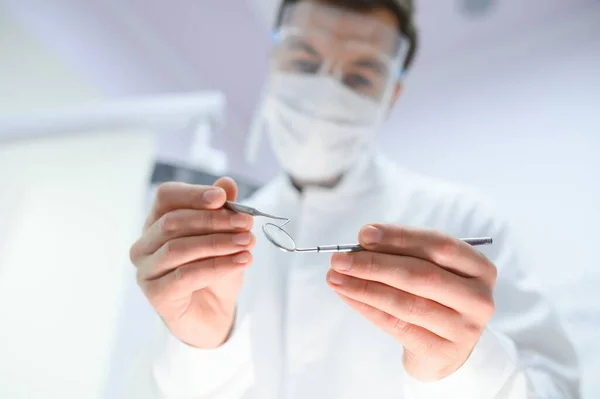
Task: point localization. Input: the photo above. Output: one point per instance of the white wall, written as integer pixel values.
(63, 242)
(74, 205)
(522, 124)
(32, 77)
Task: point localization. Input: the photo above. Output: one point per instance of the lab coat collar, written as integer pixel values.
(363, 178)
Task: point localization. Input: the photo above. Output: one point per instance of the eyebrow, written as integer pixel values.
(372, 64)
(296, 44)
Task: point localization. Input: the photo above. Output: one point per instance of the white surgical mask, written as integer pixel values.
(318, 127)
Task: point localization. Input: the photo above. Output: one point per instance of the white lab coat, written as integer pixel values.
(295, 339)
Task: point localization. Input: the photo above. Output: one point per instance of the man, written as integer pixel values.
(417, 314)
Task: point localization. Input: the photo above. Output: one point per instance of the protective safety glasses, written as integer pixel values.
(359, 51)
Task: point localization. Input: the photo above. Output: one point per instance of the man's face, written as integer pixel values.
(357, 48)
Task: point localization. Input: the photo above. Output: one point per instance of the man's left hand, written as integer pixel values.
(431, 292)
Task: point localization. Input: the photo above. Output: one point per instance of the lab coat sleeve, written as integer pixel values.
(176, 370)
(524, 352)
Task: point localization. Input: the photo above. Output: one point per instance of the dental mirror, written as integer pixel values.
(284, 241)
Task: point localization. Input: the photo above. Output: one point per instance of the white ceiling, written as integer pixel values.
(144, 46)
(130, 47)
(447, 29)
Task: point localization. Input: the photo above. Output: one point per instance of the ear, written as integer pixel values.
(396, 95)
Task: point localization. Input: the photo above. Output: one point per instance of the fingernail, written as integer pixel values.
(341, 262)
(211, 195)
(337, 279)
(239, 221)
(371, 235)
(242, 258)
(242, 238)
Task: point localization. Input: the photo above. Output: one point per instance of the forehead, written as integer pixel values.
(377, 28)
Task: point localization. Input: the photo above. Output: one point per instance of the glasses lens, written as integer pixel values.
(279, 237)
(298, 53)
(365, 71)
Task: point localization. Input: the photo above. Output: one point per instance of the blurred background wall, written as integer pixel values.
(33, 77)
(520, 121)
(505, 98)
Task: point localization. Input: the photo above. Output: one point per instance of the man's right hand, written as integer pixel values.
(191, 260)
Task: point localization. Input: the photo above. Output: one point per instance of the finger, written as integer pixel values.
(413, 338)
(185, 280)
(181, 251)
(415, 276)
(186, 223)
(230, 187)
(434, 246)
(412, 309)
(172, 196)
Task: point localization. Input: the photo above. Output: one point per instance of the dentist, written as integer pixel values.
(417, 315)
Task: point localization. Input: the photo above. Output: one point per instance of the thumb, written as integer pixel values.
(230, 187)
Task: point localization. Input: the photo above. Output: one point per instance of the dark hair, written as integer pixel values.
(402, 9)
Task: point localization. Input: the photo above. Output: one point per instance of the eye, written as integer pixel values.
(357, 81)
(305, 66)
